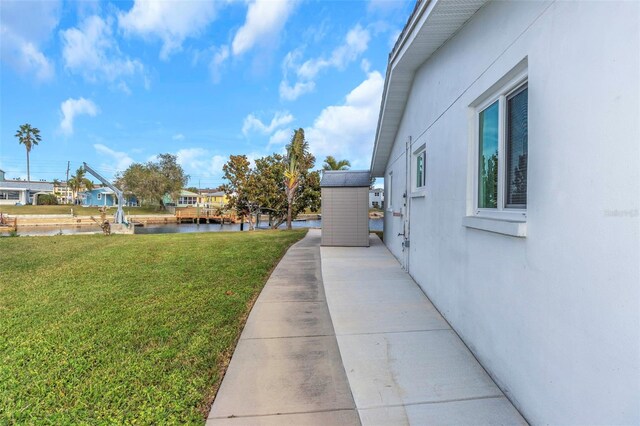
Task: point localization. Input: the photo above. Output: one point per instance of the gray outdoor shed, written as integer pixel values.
(345, 208)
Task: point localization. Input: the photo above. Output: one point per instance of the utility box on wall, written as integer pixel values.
(345, 208)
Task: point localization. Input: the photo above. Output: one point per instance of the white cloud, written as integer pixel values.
(20, 46)
(280, 137)
(198, 162)
(291, 93)
(178, 137)
(265, 19)
(355, 43)
(217, 161)
(280, 118)
(215, 66)
(116, 160)
(263, 23)
(92, 51)
(347, 131)
(170, 21)
(365, 65)
(72, 108)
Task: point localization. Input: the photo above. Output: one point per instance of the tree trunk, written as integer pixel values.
(28, 174)
(289, 215)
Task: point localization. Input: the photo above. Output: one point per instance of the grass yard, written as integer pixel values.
(124, 329)
(78, 210)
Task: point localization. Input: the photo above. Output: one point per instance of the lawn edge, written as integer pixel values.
(223, 364)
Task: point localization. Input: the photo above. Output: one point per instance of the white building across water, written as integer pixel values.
(509, 143)
(14, 192)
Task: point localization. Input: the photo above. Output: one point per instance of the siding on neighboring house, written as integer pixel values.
(99, 197)
(104, 196)
(549, 302)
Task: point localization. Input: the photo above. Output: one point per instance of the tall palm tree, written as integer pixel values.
(294, 162)
(79, 181)
(28, 136)
(331, 163)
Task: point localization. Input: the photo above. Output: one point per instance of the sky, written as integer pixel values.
(113, 83)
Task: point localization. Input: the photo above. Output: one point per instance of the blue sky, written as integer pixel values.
(112, 83)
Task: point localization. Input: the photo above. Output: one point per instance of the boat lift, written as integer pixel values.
(119, 216)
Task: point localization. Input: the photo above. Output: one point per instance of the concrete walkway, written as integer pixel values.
(404, 363)
(392, 359)
(286, 369)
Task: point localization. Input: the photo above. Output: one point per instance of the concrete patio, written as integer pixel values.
(344, 336)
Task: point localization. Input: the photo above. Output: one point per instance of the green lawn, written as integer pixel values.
(124, 329)
(78, 210)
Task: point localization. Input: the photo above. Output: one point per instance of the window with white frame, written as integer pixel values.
(99, 195)
(502, 152)
(420, 162)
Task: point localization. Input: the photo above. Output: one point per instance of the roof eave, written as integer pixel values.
(431, 25)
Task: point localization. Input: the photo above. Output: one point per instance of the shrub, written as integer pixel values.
(47, 200)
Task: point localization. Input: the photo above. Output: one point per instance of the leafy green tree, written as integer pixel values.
(330, 163)
(236, 172)
(150, 182)
(29, 137)
(79, 182)
(244, 188)
(269, 178)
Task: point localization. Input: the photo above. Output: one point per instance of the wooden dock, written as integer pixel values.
(203, 215)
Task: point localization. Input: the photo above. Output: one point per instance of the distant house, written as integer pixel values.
(63, 193)
(104, 197)
(185, 199)
(212, 198)
(376, 198)
(22, 192)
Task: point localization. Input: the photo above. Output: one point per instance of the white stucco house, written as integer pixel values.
(509, 144)
(376, 198)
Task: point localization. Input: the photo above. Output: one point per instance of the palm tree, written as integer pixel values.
(79, 181)
(331, 163)
(296, 152)
(28, 136)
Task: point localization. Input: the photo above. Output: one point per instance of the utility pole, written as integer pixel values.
(66, 190)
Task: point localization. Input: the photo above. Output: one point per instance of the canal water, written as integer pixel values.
(374, 225)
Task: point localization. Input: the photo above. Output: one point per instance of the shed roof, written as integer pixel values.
(345, 178)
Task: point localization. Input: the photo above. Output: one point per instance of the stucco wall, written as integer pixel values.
(345, 217)
(554, 316)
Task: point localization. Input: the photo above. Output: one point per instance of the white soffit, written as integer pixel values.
(432, 24)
